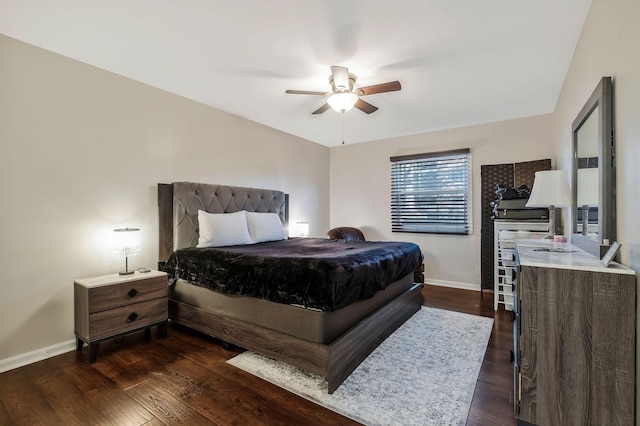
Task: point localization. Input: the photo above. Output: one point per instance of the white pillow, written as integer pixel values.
(265, 227)
(223, 229)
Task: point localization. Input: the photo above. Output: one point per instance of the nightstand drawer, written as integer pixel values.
(126, 293)
(120, 320)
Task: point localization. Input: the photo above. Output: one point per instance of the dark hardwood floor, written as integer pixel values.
(493, 398)
(184, 379)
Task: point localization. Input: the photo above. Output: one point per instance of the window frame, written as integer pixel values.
(431, 164)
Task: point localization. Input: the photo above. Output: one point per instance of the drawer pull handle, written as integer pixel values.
(132, 292)
(132, 317)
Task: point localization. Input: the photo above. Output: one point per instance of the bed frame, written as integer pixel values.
(178, 205)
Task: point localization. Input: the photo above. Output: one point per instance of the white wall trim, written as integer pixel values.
(454, 284)
(21, 360)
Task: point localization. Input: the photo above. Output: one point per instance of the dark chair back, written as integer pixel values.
(346, 233)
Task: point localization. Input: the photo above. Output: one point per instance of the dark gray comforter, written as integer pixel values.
(313, 272)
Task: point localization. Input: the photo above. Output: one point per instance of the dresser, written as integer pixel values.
(505, 234)
(574, 337)
(112, 305)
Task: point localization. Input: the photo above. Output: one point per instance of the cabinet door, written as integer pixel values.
(577, 347)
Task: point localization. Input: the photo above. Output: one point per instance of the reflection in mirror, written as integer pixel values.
(593, 172)
(587, 177)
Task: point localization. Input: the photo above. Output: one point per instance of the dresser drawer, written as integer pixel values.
(120, 320)
(126, 293)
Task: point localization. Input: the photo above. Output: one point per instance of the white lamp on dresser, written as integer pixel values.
(550, 189)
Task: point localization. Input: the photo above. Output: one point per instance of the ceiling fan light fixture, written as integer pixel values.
(342, 101)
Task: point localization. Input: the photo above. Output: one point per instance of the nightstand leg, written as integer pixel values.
(79, 344)
(162, 329)
(93, 352)
(147, 334)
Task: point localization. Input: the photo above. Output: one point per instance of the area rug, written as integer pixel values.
(425, 373)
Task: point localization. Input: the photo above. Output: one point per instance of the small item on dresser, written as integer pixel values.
(610, 254)
(559, 238)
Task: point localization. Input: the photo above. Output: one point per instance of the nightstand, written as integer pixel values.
(113, 305)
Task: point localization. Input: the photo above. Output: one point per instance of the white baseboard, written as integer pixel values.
(37, 355)
(454, 284)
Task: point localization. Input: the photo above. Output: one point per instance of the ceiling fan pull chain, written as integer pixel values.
(342, 127)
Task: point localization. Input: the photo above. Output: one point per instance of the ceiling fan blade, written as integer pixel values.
(304, 92)
(322, 109)
(391, 86)
(365, 106)
(340, 77)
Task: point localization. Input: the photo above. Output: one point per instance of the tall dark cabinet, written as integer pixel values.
(510, 174)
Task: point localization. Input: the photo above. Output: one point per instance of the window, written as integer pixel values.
(431, 192)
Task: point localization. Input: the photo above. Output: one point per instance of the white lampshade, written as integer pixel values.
(126, 241)
(588, 187)
(342, 101)
(299, 229)
(550, 188)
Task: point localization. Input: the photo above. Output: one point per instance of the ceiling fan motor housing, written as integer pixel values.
(352, 81)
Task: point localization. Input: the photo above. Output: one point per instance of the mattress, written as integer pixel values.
(305, 323)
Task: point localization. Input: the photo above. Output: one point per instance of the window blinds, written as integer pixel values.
(430, 193)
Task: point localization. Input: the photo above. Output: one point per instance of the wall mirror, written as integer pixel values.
(593, 172)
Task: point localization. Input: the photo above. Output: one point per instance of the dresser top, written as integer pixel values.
(117, 278)
(563, 256)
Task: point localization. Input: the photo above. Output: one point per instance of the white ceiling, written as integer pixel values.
(460, 62)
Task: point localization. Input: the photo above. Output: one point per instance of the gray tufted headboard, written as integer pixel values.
(179, 202)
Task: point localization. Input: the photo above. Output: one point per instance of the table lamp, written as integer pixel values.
(126, 243)
(299, 229)
(550, 189)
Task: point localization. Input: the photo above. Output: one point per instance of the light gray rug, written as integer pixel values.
(425, 373)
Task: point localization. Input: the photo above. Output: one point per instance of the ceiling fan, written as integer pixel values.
(343, 97)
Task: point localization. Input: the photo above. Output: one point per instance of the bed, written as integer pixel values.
(284, 316)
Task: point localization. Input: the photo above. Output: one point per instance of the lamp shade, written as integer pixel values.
(588, 187)
(550, 188)
(126, 241)
(342, 101)
(299, 229)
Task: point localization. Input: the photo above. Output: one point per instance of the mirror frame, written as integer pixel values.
(601, 98)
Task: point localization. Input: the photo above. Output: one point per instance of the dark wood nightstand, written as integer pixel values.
(112, 305)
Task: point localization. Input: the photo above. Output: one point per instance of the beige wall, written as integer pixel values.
(360, 187)
(609, 46)
(81, 152)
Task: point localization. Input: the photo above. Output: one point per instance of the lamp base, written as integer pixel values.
(126, 267)
(552, 224)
